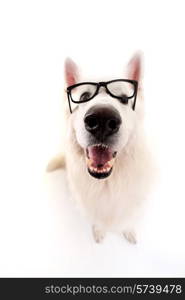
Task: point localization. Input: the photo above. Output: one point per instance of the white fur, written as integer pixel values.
(114, 203)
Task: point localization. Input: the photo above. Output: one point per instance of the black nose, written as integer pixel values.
(102, 120)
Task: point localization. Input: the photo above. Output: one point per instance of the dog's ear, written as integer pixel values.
(71, 72)
(135, 67)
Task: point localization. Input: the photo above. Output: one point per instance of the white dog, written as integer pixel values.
(109, 166)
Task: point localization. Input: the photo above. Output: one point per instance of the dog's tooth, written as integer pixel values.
(111, 162)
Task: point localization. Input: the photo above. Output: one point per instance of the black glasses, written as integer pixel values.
(121, 89)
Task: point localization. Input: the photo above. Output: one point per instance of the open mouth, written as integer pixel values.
(100, 160)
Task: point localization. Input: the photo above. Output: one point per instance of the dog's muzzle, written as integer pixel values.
(101, 122)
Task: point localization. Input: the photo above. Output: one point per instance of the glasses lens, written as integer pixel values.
(83, 92)
(121, 88)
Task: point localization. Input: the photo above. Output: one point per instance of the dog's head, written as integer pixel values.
(105, 116)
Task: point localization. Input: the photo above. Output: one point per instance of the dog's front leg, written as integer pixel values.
(98, 233)
(130, 236)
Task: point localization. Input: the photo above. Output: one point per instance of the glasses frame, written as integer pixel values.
(102, 84)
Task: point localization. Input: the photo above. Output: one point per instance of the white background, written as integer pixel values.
(41, 232)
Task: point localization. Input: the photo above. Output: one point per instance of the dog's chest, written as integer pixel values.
(105, 201)
(117, 198)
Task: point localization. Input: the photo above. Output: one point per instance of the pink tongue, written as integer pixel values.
(99, 155)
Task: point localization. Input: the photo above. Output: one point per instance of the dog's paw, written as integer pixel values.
(57, 162)
(130, 236)
(98, 234)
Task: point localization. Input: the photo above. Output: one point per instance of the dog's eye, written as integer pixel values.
(124, 99)
(85, 96)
